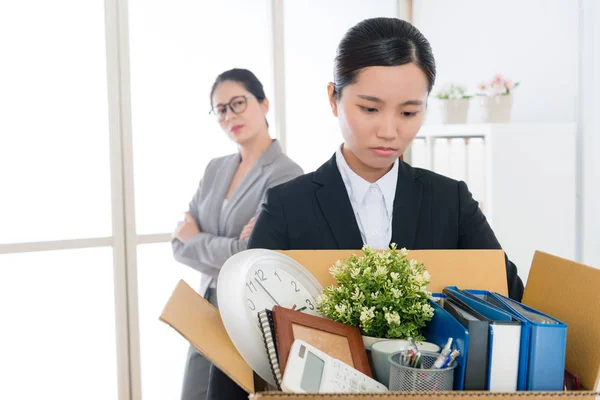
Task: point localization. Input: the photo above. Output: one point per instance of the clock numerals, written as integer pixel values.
(310, 304)
(267, 286)
(260, 274)
(295, 285)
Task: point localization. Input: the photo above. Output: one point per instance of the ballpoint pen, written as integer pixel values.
(451, 358)
(411, 351)
(444, 355)
(418, 360)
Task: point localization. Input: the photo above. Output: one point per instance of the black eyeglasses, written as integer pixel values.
(237, 105)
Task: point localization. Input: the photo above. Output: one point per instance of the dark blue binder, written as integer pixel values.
(490, 311)
(476, 365)
(547, 340)
(439, 329)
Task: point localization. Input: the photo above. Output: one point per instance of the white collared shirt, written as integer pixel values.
(373, 203)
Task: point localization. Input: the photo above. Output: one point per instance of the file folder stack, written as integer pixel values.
(524, 349)
(504, 341)
(545, 340)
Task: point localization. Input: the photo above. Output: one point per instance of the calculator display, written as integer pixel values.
(313, 373)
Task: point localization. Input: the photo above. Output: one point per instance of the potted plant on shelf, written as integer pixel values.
(382, 293)
(496, 99)
(455, 104)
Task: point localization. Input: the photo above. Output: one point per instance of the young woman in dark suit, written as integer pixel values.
(384, 71)
(383, 74)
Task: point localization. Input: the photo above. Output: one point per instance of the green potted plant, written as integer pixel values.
(496, 99)
(382, 293)
(455, 103)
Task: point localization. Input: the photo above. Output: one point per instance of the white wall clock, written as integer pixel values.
(257, 279)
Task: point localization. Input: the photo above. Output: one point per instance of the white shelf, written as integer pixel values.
(529, 182)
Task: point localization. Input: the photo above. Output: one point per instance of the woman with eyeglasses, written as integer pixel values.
(221, 214)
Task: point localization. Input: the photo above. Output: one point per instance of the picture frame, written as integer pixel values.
(340, 341)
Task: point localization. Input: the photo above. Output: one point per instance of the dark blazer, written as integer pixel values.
(431, 211)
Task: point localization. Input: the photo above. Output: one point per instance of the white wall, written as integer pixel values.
(590, 126)
(532, 198)
(533, 41)
(536, 42)
(312, 31)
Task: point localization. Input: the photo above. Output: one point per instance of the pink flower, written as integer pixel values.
(497, 78)
(482, 86)
(497, 86)
(509, 85)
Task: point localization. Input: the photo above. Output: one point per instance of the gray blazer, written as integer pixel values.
(219, 236)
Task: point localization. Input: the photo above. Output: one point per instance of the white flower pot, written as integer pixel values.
(369, 341)
(496, 109)
(455, 111)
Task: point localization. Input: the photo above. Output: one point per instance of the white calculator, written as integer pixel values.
(309, 370)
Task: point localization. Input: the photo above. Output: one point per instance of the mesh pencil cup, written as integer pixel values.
(408, 378)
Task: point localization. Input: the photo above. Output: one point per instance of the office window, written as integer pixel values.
(177, 50)
(58, 325)
(312, 31)
(54, 142)
(163, 350)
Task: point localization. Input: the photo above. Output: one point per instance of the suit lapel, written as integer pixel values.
(336, 207)
(407, 205)
(244, 186)
(251, 177)
(226, 176)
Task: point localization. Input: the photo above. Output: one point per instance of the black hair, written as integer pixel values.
(243, 76)
(384, 42)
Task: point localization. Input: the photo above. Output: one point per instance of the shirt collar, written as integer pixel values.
(359, 187)
(387, 184)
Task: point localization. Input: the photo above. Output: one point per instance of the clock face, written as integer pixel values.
(257, 279)
(268, 285)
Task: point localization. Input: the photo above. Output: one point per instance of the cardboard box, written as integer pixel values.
(564, 289)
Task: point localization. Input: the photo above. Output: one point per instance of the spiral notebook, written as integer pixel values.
(268, 331)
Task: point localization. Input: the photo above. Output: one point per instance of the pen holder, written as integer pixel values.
(408, 378)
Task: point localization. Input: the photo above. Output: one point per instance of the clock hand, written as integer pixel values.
(273, 298)
(301, 308)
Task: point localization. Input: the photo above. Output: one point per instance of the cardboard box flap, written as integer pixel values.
(468, 269)
(199, 322)
(568, 291)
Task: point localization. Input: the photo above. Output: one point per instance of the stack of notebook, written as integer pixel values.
(268, 330)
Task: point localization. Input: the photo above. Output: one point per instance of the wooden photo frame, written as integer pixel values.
(340, 341)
